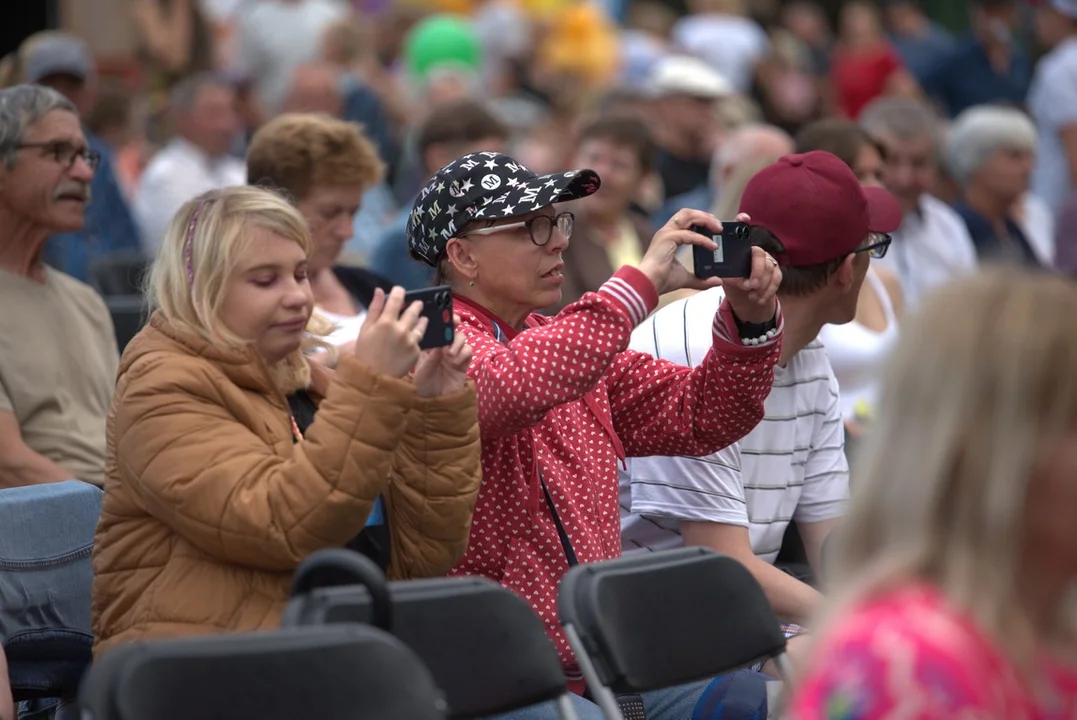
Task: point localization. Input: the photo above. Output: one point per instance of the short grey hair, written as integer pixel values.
(21, 107)
(903, 118)
(980, 132)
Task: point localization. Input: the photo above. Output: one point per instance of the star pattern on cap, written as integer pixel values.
(484, 185)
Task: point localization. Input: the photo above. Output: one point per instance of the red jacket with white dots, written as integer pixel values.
(567, 399)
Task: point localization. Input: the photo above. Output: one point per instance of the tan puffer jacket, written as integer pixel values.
(210, 505)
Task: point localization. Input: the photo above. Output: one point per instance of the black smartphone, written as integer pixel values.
(733, 256)
(437, 309)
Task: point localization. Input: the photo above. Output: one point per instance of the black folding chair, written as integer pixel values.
(129, 313)
(653, 621)
(119, 273)
(337, 572)
(484, 646)
(343, 672)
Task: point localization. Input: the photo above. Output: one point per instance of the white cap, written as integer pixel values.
(688, 75)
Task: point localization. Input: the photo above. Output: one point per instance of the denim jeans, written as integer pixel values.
(46, 538)
(675, 703)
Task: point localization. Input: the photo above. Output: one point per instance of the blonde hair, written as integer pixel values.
(188, 279)
(980, 385)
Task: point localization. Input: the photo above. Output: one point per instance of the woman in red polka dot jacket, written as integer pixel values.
(562, 400)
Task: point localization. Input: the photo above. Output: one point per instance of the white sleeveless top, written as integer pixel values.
(345, 327)
(858, 353)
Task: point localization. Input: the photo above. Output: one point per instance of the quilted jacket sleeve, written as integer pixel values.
(213, 481)
(434, 488)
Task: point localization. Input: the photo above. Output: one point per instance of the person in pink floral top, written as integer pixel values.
(952, 593)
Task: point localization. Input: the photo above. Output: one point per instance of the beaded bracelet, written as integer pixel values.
(766, 337)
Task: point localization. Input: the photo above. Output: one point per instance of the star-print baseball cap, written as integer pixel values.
(485, 186)
(816, 207)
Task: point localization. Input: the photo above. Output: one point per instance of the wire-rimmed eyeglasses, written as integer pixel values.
(539, 228)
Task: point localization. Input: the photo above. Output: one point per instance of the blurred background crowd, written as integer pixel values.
(964, 113)
(716, 85)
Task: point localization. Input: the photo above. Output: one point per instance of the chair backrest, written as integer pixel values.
(343, 672)
(339, 567)
(119, 273)
(46, 539)
(667, 618)
(129, 313)
(485, 647)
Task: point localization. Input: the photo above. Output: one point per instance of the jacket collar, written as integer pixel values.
(242, 366)
(497, 327)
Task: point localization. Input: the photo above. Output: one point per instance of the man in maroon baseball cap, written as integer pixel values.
(811, 213)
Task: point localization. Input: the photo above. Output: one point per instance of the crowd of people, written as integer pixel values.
(886, 401)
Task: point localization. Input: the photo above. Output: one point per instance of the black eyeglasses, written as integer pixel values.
(65, 153)
(540, 227)
(878, 244)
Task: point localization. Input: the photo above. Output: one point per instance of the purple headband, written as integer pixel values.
(187, 253)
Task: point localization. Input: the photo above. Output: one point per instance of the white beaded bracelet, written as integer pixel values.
(761, 339)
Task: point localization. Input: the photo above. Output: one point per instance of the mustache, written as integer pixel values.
(73, 190)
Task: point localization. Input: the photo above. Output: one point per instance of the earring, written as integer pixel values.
(471, 283)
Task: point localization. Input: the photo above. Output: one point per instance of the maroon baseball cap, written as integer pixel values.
(816, 207)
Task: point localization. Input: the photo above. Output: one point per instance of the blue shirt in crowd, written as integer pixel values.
(922, 54)
(109, 227)
(966, 77)
(389, 257)
(992, 248)
(363, 106)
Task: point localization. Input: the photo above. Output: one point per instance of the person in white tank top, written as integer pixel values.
(858, 350)
(857, 353)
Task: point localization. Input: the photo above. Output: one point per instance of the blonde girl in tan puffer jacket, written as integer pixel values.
(213, 496)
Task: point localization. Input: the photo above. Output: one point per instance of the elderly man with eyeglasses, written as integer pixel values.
(58, 353)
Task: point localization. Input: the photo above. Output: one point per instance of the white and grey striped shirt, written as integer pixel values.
(790, 467)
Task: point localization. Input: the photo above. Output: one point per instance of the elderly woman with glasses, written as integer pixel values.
(562, 400)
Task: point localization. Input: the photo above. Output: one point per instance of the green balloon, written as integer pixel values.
(441, 39)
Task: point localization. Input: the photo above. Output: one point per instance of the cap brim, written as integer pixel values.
(574, 185)
(884, 211)
(38, 74)
(542, 191)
